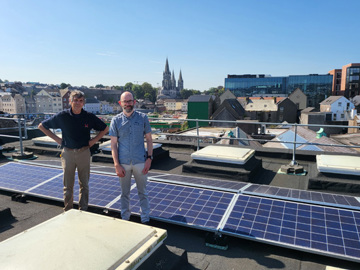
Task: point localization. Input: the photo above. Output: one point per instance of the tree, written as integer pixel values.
(99, 86)
(1, 81)
(64, 85)
(128, 86)
(149, 91)
(218, 91)
(138, 91)
(185, 93)
(118, 87)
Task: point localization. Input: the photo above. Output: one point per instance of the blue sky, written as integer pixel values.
(112, 42)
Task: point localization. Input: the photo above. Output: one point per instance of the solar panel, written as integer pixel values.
(225, 185)
(188, 206)
(337, 200)
(20, 177)
(294, 224)
(103, 189)
(318, 229)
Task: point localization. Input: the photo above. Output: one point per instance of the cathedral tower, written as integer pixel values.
(169, 89)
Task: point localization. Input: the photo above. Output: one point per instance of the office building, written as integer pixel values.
(316, 87)
(346, 81)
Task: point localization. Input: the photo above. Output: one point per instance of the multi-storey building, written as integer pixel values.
(350, 80)
(316, 87)
(44, 102)
(336, 83)
(12, 104)
(347, 81)
(48, 101)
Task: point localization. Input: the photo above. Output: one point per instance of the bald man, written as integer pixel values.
(127, 131)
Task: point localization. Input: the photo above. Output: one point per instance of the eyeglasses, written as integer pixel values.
(126, 101)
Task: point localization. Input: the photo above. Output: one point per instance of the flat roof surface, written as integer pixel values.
(242, 254)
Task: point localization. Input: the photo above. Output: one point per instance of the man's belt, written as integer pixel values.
(77, 149)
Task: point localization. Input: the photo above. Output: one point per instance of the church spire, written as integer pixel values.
(180, 82)
(167, 70)
(180, 76)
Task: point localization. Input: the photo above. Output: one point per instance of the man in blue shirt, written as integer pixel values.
(75, 124)
(127, 131)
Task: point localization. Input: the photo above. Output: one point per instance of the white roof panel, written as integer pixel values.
(81, 240)
(340, 164)
(225, 154)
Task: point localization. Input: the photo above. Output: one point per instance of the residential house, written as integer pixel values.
(65, 98)
(12, 104)
(356, 101)
(43, 102)
(92, 105)
(299, 98)
(287, 111)
(338, 107)
(306, 140)
(226, 95)
(229, 110)
(270, 109)
(170, 104)
(159, 106)
(200, 107)
(184, 105)
(105, 107)
(30, 104)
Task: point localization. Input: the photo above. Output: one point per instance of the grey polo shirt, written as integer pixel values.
(130, 133)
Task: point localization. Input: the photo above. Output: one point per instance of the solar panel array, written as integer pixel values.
(310, 221)
(189, 206)
(314, 197)
(330, 231)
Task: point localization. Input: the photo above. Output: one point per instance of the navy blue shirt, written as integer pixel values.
(130, 132)
(75, 128)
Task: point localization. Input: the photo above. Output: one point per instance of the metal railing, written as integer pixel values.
(198, 136)
(237, 138)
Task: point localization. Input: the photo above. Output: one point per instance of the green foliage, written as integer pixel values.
(118, 87)
(217, 91)
(184, 126)
(128, 86)
(138, 91)
(99, 86)
(64, 85)
(149, 91)
(186, 93)
(111, 100)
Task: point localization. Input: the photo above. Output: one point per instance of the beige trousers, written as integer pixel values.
(72, 160)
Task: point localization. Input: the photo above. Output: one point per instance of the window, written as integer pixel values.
(342, 115)
(339, 104)
(334, 116)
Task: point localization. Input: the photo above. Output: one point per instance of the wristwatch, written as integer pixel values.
(151, 157)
